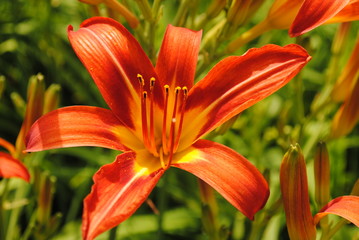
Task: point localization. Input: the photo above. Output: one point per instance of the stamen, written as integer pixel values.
(152, 127)
(183, 104)
(164, 123)
(140, 79)
(144, 119)
(173, 125)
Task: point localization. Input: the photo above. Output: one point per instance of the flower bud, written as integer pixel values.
(282, 13)
(19, 103)
(294, 187)
(322, 175)
(345, 83)
(52, 98)
(355, 189)
(34, 108)
(47, 189)
(215, 8)
(2, 85)
(241, 10)
(347, 115)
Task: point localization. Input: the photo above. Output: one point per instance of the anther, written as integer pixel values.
(140, 79)
(152, 82)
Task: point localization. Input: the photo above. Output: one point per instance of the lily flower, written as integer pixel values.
(157, 117)
(313, 13)
(9, 166)
(300, 16)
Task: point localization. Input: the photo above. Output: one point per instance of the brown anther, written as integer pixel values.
(177, 90)
(140, 79)
(152, 81)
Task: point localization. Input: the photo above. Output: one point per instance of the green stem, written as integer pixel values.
(181, 13)
(330, 233)
(162, 204)
(248, 36)
(209, 211)
(145, 9)
(30, 226)
(5, 182)
(15, 213)
(112, 234)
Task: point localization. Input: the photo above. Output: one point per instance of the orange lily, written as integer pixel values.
(300, 16)
(10, 166)
(157, 116)
(313, 13)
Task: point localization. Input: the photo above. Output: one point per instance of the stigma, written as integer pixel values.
(169, 121)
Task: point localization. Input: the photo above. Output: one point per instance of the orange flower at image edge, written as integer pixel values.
(157, 117)
(9, 166)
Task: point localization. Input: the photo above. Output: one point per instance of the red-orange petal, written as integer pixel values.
(237, 83)
(113, 57)
(119, 190)
(177, 60)
(345, 206)
(229, 173)
(80, 126)
(314, 13)
(348, 14)
(11, 167)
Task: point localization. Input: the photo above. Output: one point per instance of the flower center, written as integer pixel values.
(165, 144)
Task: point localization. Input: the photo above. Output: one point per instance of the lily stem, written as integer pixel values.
(330, 233)
(112, 233)
(209, 211)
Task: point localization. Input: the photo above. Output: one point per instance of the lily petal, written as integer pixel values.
(314, 13)
(119, 190)
(237, 83)
(80, 126)
(229, 173)
(348, 14)
(345, 206)
(177, 60)
(11, 167)
(113, 57)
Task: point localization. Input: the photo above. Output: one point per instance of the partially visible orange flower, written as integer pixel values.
(300, 16)
(347, 89)
(346, 82)
(9, 166)
(314, 13)
(294, 187)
